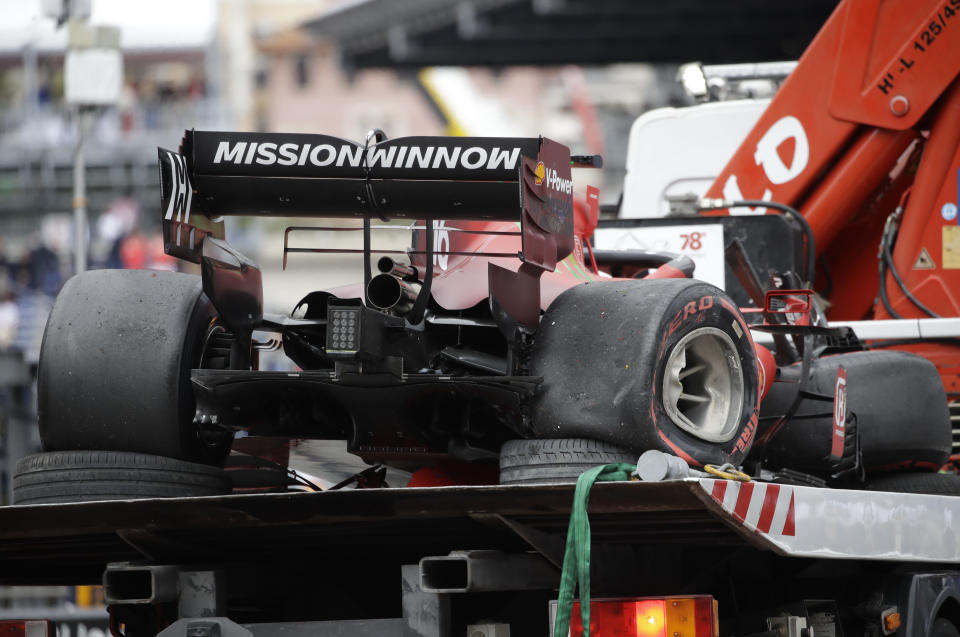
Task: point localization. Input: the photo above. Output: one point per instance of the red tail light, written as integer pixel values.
(693, 616)
(27, 628)
(650, 617)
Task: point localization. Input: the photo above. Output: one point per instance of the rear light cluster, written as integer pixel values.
(27, 628)
(692, 616)
(343, 329)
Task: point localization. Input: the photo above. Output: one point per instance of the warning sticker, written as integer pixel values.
(948, 211)
(924, 261)
(839, 415)
(951, 247)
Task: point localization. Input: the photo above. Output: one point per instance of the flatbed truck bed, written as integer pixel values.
(330, 562)
(48, 544)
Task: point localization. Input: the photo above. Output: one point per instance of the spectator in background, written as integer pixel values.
(117, 221)
(157, 258)
(138, 252)
(43, 266)
(133, 251)
(38, 270)
(127, 106)
(7, 268)
(9, 316)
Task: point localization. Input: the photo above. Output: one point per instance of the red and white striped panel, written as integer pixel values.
(760, 506)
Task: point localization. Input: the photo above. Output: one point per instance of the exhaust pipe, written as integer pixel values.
(388, 265)
(486, 571)
(387, 292)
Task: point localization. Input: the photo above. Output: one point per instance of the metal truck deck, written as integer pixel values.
(72, 542)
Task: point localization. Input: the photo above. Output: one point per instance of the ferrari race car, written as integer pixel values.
(489, 338)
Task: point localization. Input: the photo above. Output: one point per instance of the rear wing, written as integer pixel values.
(486, 178)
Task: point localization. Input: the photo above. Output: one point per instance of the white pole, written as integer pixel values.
(80, 196)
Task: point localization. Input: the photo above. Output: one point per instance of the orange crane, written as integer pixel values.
(864, 139)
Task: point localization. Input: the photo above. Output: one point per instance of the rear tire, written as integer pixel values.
(902, 414)
(929, 483)
(663, 364)
(943, 627)
(115, 366)
(555, 461)
(84, 476)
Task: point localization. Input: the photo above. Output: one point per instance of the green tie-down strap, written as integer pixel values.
(576, 559)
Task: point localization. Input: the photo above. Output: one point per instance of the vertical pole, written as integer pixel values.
(30, 86)
(80, 196)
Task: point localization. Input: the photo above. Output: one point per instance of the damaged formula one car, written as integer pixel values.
(490, 338)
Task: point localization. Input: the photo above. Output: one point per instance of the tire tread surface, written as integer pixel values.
(555, 460)
(82, 476)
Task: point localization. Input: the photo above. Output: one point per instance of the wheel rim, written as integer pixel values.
(703, 385)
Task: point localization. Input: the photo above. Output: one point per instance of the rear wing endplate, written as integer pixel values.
(184, 229)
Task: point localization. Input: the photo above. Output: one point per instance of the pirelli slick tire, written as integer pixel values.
(115, 365)
(901, 411)
(663, 364)
(84, 476)
(555, 461)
